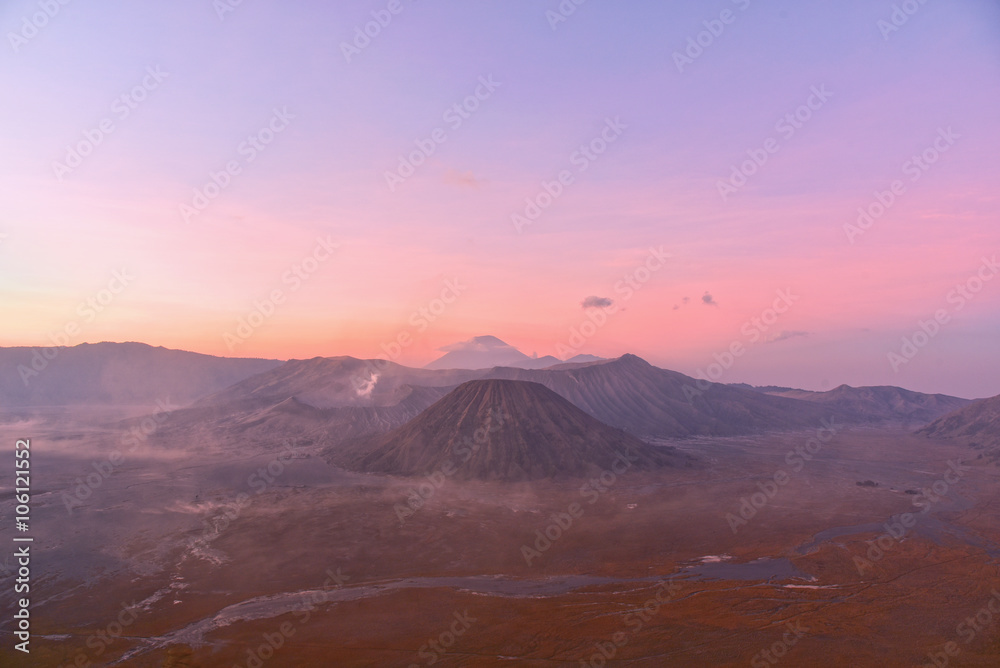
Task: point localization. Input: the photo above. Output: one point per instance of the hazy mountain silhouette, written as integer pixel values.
(486, 352)
(882, 402)
(124, 374)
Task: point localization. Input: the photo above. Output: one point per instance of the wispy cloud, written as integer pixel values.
(786, 334)
(597, 302)
(464, 179)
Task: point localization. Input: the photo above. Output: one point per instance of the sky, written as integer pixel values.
(685, 181)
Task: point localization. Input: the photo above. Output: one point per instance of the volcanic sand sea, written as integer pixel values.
(215, 587)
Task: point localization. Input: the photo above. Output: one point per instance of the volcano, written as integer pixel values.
(506, 430)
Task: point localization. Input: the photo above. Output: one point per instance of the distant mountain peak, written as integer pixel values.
(483, 343)
(489, 339)
(488, 351)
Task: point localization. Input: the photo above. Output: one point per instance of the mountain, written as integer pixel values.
(352, 398)
(124, 374)
(878, 402)
(580, 359)
(978, 422)
(330, 382)
(486, 352)
(631, 394)
(321, 400)
(334, 400)
(502, 430)
(246, 424)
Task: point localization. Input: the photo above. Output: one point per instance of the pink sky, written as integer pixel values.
(655, 186)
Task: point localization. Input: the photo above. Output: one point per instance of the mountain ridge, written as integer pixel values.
(980, 420)
(108, 373)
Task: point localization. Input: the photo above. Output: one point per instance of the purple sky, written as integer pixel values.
(608, 74)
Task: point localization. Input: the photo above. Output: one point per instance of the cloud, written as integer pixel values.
(708, 300)
(464, 179)
(686, 300)
(597, 302)
(786, 334)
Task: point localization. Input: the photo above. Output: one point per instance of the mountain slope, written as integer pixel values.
(330, 382)
(502, 430)
(116, 373)
(631, 394)
(979, 421)
(883, 402)
(246, 425)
